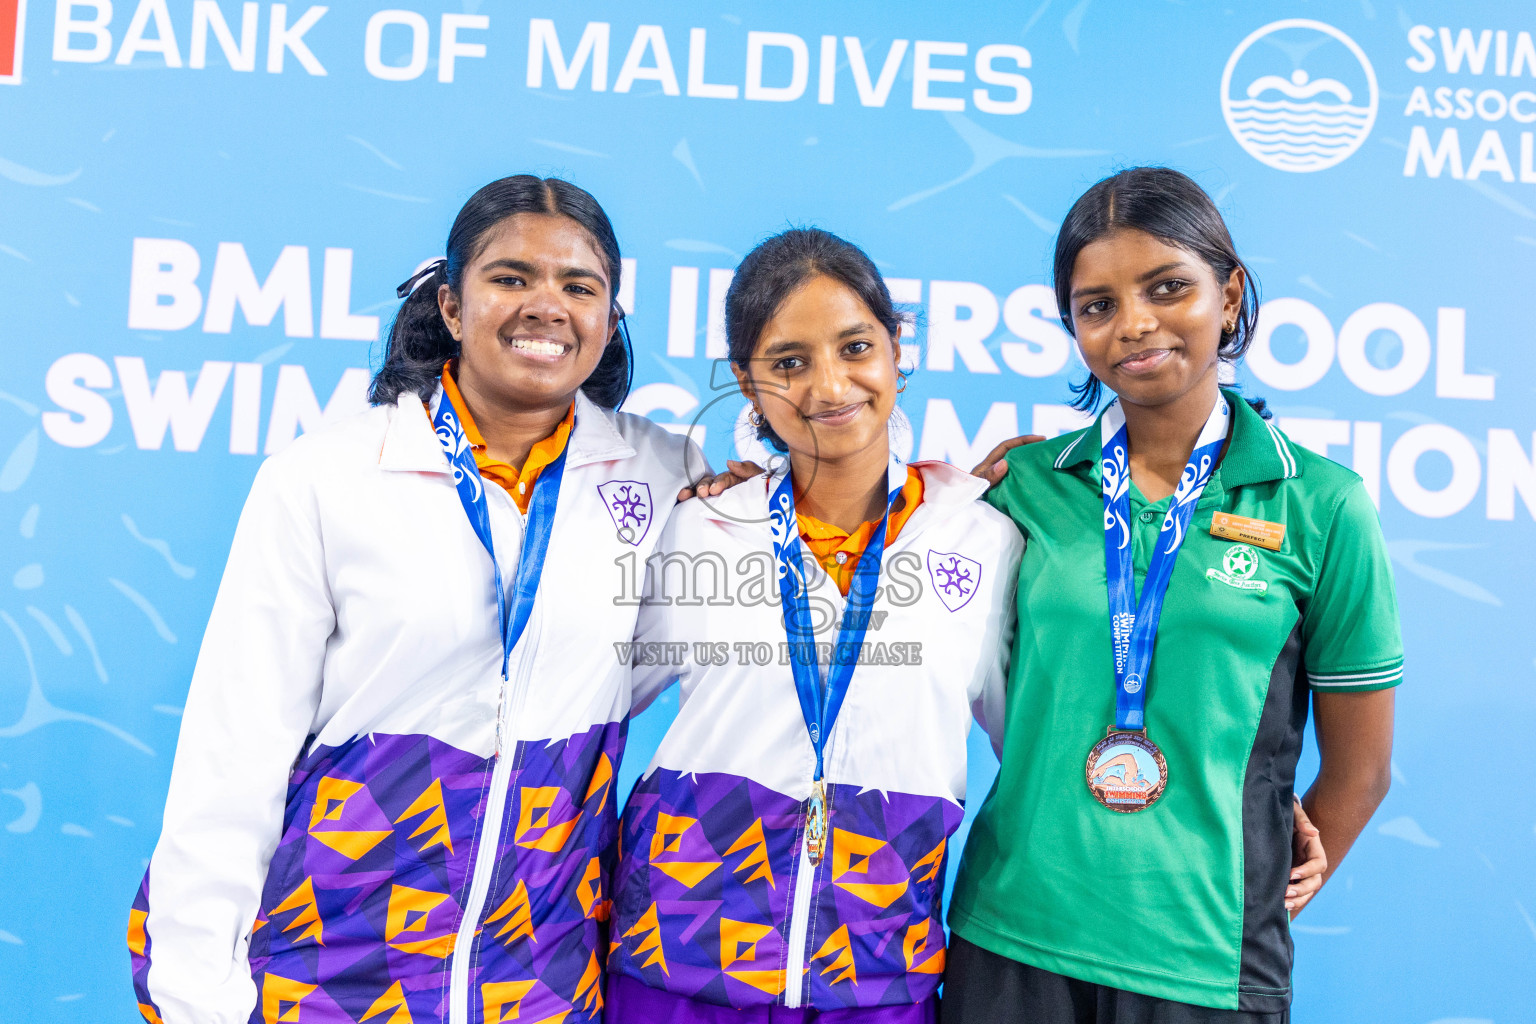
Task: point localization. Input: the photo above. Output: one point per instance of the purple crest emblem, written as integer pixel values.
(629, 503)
(955, 578)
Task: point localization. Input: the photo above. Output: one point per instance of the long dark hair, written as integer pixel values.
(419, 342)
(775, 269)
(1170, 207)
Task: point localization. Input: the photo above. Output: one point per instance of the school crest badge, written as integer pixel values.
(629, 505)
(954, 577)
(1238, 564)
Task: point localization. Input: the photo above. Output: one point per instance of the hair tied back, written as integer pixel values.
(420, 342)
(413, 282)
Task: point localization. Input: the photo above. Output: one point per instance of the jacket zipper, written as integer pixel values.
(805, 879)
(799, 925)
(491, 826)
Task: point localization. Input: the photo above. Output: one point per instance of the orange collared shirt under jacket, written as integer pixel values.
(518, 484)
(838, 551)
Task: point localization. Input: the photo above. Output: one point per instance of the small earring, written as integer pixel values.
(1228, 328)
(903, 385)
(756, 418)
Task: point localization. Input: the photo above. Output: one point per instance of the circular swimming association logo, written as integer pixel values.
(1299, 95)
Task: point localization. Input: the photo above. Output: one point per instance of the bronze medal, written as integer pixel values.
(1126, 772)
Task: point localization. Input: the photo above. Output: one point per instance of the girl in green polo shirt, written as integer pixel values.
(1131, 862)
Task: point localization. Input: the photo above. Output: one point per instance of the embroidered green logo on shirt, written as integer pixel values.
(1238, 564)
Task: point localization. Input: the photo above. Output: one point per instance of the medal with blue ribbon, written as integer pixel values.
(512, 615)
(1126, 771)
(820, 701)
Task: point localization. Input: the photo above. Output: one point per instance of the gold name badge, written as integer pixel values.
(1249, 531)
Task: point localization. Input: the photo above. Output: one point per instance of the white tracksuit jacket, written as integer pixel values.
(714, 898)
(342, 841)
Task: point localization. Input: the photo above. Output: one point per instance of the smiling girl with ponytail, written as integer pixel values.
(393, 794)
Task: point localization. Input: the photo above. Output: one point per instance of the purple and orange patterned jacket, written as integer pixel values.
(715, 898)
(366, 822)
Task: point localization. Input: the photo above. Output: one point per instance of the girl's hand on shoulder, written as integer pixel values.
(709, 486)
(1309, 862)
(994, 467)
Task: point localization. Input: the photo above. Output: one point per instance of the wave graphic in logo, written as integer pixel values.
(1293, 117)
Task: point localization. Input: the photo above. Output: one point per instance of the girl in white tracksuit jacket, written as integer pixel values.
(392, 798)
(756, 875)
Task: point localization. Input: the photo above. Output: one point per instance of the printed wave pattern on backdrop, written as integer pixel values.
(208, 205)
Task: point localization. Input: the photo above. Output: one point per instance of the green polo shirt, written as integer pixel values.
(1185, 900)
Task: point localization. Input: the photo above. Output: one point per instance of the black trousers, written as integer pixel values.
(981, 987)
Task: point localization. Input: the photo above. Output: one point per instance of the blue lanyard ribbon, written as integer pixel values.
(820, 703)
(539, 524)
(1133, 626)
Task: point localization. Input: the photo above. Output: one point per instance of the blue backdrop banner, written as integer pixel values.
(205, 206)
